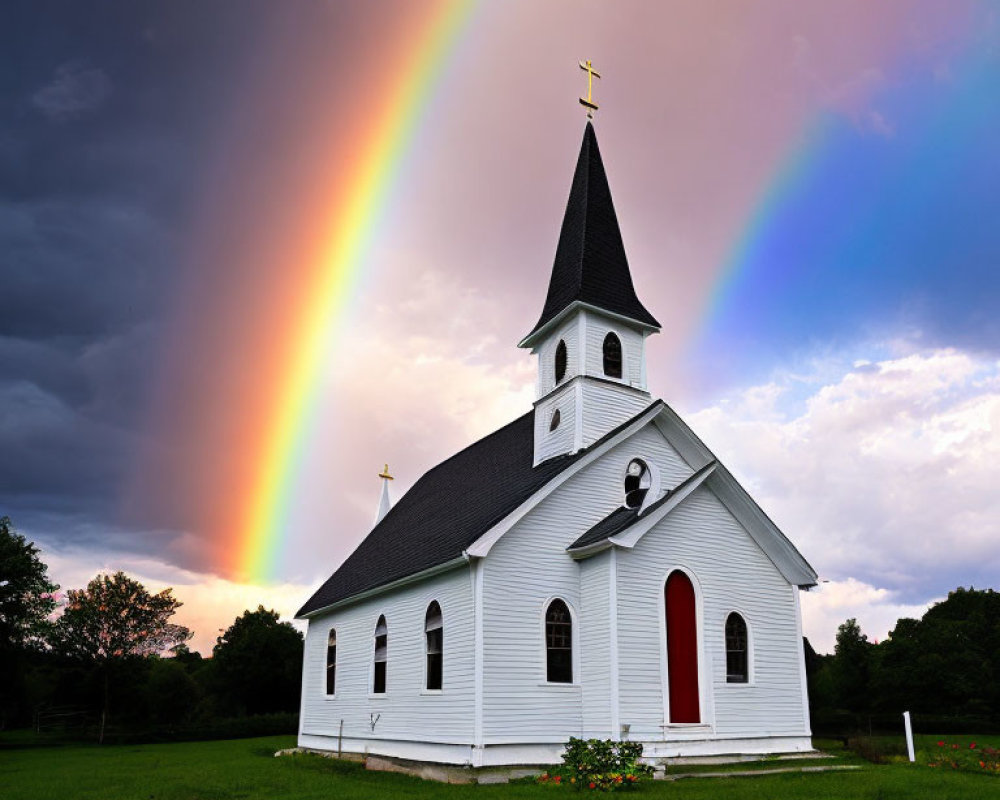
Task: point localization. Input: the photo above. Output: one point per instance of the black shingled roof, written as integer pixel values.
(623, 517)
(450, 507)
(590, 263)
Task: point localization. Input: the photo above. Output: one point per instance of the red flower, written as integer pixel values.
(558, 778)
(954, 747)
(972, 746)
(940, 744)
(592, 784)
(982, 764)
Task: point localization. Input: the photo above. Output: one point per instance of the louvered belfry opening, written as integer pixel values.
(612, 356)
(560, 364)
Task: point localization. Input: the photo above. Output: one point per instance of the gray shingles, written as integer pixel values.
(450, 507)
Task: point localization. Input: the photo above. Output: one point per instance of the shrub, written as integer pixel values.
(604, 765)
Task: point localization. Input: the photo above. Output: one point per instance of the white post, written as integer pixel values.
(909, 735)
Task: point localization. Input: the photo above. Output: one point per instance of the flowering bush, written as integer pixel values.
(973, 757)
(604, 765)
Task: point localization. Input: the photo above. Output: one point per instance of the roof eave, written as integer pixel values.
(540, 331)
(387, 587)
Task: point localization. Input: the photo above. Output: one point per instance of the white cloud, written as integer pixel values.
(876, 610)
(74, 90)
(886, 474)
(412, 395)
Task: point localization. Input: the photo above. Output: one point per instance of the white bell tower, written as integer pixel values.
(591, 337)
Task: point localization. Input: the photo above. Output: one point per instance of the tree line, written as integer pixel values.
(114, 657)
(115, 652)
(943, 667)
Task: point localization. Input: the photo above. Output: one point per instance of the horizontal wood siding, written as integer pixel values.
(595, 646)
(406, 712)
(560, 441)
(567, 332)
(598, 328)
(527, 567)
(732, 575)
(606, 406)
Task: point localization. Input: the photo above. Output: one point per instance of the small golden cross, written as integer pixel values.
(589, 103)
(385, 473)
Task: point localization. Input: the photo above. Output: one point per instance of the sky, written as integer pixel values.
(251, 252)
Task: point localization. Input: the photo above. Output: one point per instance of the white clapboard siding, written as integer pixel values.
(598, 327)
(527, 567)
(568, 332)
(732, 574)
(595, 646)
(606, 406)
(407, 711)
(549, 443)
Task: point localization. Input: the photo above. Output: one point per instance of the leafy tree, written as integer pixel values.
(851, 667)
(257, 663)
(172, 693)
(113, 621)
(947, 662)
(27, 596)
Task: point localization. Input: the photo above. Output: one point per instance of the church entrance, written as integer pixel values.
(682, 649)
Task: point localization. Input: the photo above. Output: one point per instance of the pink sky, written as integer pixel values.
(701, 104)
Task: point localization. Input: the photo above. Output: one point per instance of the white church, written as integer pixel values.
(588, 570)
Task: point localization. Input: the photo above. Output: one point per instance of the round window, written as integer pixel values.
(637, 482)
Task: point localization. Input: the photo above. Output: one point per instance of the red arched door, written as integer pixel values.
(682, 649)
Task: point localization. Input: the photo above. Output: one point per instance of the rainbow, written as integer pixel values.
(354, 223)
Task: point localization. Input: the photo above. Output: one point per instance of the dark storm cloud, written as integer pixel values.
(107, 115)
(75, 89)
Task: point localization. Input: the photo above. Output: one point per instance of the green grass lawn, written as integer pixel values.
(246, 768)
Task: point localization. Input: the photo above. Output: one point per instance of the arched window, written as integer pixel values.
(560, 360)
(331, 663)
(612, 356)
(637, 482)
(434, 634)
(556, 417)
(737, 663)
(558, 643)
(381, 656)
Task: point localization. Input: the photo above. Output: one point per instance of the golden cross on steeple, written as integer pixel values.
(589, 101)
(385, 473)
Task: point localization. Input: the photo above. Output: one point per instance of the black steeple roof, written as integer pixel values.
(590, 263)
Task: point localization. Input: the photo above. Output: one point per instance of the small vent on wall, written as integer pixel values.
(555, 420)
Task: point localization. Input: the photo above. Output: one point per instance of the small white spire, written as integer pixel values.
(384, 501)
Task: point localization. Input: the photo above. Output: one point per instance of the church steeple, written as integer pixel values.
(591, 336)
(384, 501)
(590, 265)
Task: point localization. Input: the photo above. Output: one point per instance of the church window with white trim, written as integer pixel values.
(737, 663)
(381, 656)
(434, 636)
(558, 643)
